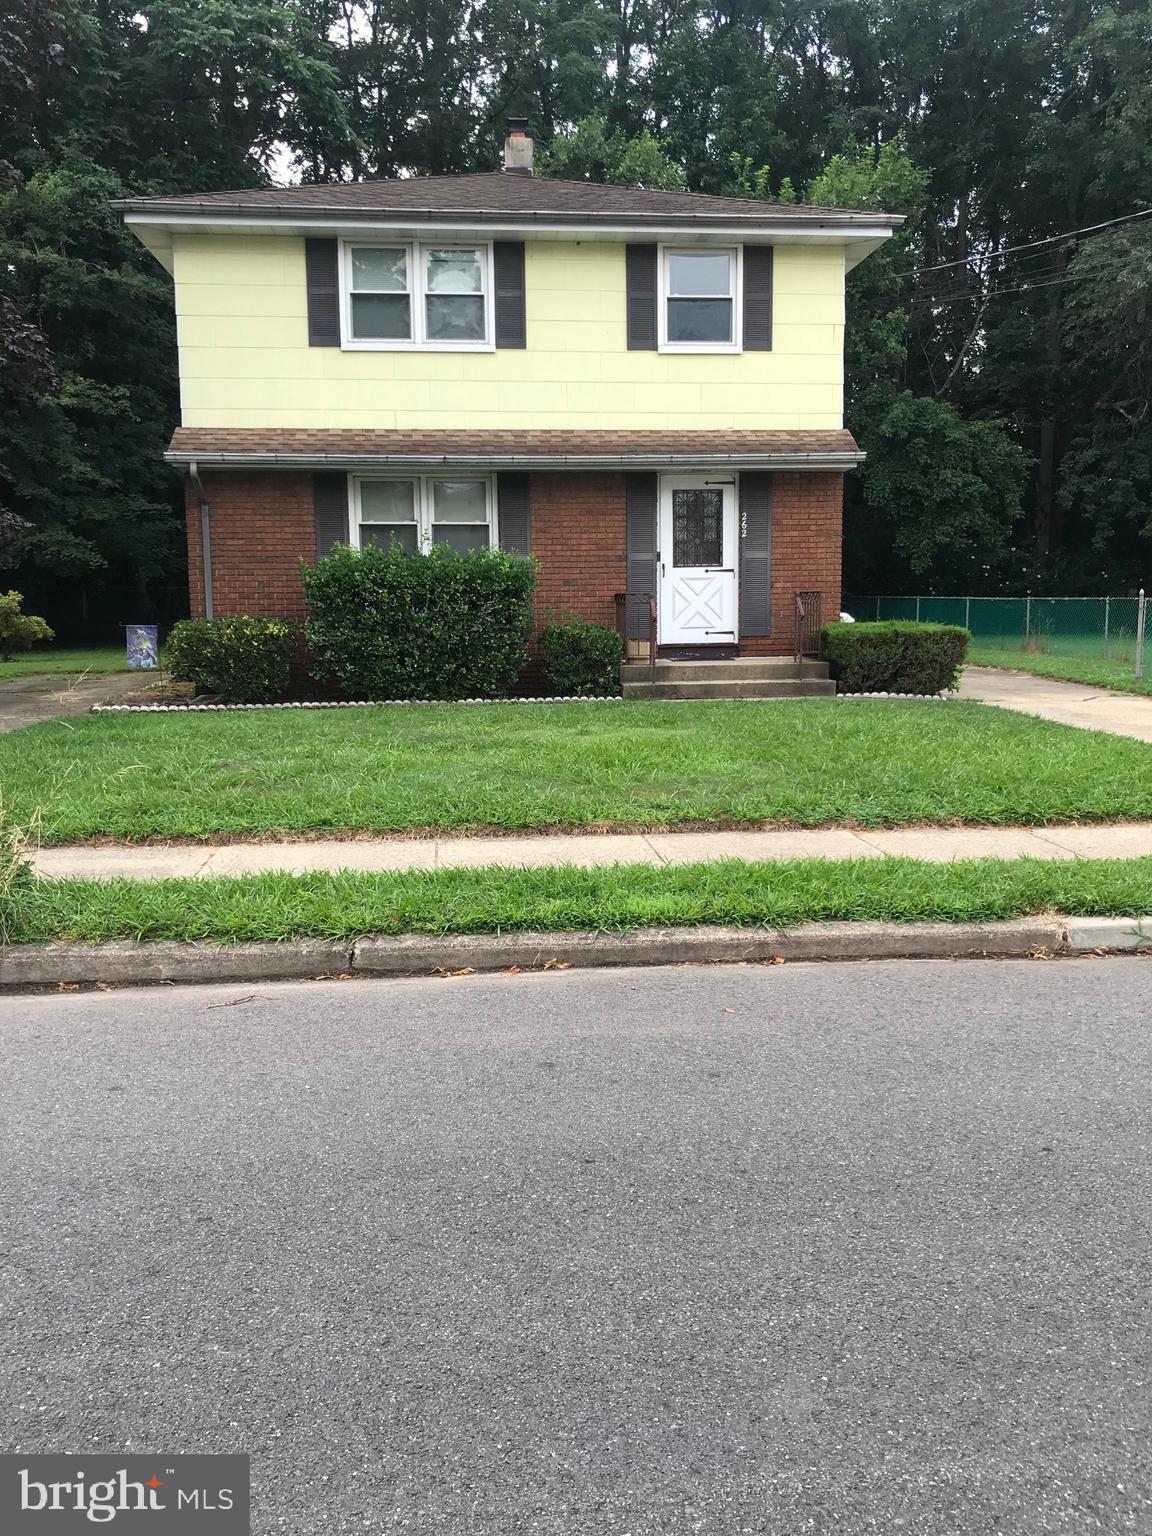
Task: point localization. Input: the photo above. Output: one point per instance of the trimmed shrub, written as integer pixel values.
(582, 658)
(18, 631)
(241, 661)
(895, 656)
(383, 624)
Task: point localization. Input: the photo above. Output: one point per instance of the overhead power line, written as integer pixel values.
(928, 302)
(1029, 245)
(977, 290)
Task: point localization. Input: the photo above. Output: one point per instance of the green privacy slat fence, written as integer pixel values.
(1096, 628)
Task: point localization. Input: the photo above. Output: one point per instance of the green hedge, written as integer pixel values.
(241, 660)
(582, 658)
(388, 625)
(894, 656)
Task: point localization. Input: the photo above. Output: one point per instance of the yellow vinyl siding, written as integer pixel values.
(245, 359)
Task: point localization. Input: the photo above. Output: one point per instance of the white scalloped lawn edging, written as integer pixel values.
(199, 709)
(574, 698)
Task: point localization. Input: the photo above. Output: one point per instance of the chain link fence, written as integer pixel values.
(1097, 629)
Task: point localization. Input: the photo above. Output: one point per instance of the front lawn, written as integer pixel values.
(53, 661)
(349, 905)
(804, 763)
(1073, 669)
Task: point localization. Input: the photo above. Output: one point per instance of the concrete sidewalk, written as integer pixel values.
(940, 845)
(1079, 704)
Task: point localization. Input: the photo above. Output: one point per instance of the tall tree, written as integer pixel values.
(937, 498)
(1001, 125)
(595, 152)
(112, 98)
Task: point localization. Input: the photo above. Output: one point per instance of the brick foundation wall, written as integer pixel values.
(580, 537)
(263, 526)
(807, 522)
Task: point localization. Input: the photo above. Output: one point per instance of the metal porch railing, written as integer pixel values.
(635, 620)
(808, 621)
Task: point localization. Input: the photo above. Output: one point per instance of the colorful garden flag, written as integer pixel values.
(143, 647)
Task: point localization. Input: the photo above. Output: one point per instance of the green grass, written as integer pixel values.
(52, 662)
(346, 906)
(1075, 669)
(802, 763)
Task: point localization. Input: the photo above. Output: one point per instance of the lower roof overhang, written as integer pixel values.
(364, 451)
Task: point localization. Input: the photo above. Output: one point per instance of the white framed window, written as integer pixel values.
(418, 511)
(380, 292)
(699, 299)
(412, 295)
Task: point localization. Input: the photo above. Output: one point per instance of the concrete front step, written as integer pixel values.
(739, 669)
(735, 688)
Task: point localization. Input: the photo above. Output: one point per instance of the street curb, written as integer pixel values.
(1021, 936)
(129, 963)
(1110, 933)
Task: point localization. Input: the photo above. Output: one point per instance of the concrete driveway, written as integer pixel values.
(27, 700)
(1094, 709)
(852, 1249)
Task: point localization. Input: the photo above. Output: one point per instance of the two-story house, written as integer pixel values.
(644, 389)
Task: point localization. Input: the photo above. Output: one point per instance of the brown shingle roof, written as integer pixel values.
(310, 445)
(498, 194)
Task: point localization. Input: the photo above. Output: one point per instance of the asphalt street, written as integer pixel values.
(786, 1249)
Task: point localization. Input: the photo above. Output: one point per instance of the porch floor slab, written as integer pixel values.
(939, 845)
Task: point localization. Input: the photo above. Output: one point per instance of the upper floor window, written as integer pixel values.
(414, 295)
(417, 511)
(699, 300)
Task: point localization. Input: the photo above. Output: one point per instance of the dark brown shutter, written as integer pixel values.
(508, 262)
(640, 266)
(330, 504)
(755, 554)
(640, 499)
(512, 510)
(757, 298)
(320, 266)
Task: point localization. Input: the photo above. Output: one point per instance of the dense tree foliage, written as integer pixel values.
(999, 371)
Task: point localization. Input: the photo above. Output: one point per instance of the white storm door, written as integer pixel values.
(696, 603)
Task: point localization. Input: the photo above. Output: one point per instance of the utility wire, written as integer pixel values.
(977, 291)
(1030, 245)
(929, 302)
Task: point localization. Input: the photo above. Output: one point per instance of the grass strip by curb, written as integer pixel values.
(616, 898)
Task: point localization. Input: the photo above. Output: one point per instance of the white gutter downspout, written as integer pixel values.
(205, 535)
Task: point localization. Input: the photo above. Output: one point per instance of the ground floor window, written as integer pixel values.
(417, 511)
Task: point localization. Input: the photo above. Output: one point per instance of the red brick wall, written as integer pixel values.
(580, 537)
(263, 525)
(807, 516)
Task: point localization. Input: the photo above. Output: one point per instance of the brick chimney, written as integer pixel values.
(518, 148)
